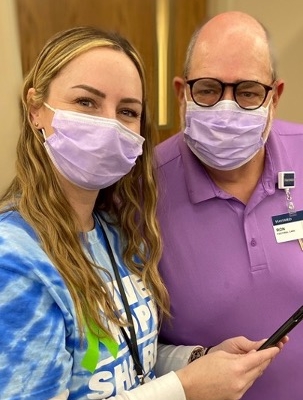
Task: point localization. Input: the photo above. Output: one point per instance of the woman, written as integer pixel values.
(79, 242)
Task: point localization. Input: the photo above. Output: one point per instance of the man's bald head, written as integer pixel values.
(230, 36)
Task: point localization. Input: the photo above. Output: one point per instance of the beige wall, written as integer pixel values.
(283, 18)
(10, 80)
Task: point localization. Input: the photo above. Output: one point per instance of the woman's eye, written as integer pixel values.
(85, 102)
(130, 113)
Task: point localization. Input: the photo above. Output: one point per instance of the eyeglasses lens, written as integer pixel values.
(248, 94)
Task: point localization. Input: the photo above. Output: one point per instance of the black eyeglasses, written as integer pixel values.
(206, 92)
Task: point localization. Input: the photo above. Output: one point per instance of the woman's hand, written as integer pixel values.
(241, 345)
(224, 376)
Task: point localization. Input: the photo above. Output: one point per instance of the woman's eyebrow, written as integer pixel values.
(103, 95)
(91, 90)
(131, 100)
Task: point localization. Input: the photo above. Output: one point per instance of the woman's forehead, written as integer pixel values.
(101, 67)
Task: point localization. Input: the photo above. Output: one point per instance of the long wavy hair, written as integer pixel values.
(36, 194)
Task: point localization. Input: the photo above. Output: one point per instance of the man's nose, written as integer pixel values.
(228, 93)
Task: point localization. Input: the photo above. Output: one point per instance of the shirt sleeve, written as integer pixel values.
(36, 364)
(171, 358)
(62, 396)
(168, 387)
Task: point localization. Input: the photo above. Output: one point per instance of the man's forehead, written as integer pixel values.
(251, 56)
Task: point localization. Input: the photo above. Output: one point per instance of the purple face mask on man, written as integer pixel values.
(91, 152)
(225, 136)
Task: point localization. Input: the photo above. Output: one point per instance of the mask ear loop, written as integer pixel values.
(49, 107)
(43, 133)
(185, 95)
(42, 129)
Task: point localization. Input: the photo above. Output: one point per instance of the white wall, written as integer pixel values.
(284, 20)
(10, 81)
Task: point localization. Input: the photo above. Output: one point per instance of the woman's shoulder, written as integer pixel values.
(20, 249)
(13, 228)
(22, 258)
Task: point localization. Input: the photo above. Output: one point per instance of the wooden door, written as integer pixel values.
(159, 29)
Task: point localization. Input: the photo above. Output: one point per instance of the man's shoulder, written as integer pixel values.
(283, 127)
(168, 150)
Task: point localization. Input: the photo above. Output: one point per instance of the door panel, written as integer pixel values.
(139, 21)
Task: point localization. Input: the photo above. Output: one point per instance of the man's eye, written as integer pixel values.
(247, 94)
(207, 91)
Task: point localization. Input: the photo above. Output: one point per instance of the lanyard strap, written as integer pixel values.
(132, 341)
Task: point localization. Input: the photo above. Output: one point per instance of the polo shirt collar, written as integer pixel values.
(276, 154)
(200, 186)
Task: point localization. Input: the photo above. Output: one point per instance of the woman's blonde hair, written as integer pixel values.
(131, 203)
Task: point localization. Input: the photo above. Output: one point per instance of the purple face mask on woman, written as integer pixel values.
(91, 152)
(224, 136)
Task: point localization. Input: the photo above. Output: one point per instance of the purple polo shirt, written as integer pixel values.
(226, 274)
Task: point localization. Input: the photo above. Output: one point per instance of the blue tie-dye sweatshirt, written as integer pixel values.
(40, 350)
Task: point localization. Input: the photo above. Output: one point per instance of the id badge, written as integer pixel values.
(288, 227)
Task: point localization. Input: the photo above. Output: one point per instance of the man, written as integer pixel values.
(232, 260)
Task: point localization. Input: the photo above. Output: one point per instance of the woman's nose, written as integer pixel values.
(108, 113)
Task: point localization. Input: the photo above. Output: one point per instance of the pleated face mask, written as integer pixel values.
(91, 152)
(225, 136)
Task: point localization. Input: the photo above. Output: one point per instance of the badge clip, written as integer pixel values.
(286, 181)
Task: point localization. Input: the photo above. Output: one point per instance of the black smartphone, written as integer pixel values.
(284, 329)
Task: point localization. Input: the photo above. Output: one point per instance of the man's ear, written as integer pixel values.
(34, 111)
(178, 83)
(179, 87)
(279, 87)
